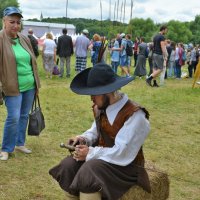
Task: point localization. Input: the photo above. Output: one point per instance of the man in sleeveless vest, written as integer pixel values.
(108, 158)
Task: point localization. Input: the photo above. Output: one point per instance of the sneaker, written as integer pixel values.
(4, 156)
(23, 149)
(148, 82)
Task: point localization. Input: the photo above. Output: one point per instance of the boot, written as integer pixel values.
(148, 82)
(90, 196)
(155, 84)
(70, 196)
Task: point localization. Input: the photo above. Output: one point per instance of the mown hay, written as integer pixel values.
(159, 182)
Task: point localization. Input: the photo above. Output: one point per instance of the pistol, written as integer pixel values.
(66, 146)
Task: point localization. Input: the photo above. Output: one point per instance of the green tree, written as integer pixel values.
(195, 29)
(142, 27)
(79, 27)
(6, 3)
(179, 31)
(3, 5)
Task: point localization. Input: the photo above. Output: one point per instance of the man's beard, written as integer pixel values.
(106, 102)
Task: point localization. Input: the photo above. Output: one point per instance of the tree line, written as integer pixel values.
(186, 32)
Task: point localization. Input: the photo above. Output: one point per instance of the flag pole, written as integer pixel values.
(101, 12)
(66, 13)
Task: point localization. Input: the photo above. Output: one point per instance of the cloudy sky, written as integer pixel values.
(158, 10)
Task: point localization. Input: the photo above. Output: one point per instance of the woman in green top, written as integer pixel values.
(19, 80)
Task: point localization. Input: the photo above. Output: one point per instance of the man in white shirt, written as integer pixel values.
(108, 158)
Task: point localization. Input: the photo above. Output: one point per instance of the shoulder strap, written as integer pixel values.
(36, 102)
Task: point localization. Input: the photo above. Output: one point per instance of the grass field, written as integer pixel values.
(173, 144)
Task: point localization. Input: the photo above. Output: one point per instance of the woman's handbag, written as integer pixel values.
(55, 70)
(36, 118)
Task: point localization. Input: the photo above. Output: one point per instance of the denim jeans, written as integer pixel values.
(178, 69)
(18, 108)
(114, 65)
(171, 68)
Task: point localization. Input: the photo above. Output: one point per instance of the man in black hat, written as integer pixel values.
(108, 158)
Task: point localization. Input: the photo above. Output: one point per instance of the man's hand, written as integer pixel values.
(77, 140)
(80, 152)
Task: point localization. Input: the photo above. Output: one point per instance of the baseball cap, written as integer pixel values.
(30, 30)
(11, 10)
(190, 45)
(122, 35)
(85, 31)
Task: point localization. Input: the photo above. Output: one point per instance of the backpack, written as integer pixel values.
(129, 48)
(184, 56)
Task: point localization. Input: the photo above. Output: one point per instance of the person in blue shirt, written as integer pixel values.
(115, 54)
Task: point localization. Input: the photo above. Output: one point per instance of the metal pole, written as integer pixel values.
(66, 12)
(121, 11)
(101, 12)
(131, 14)
(110, 11)
(114, 14)
(117, 9)
(124, 10)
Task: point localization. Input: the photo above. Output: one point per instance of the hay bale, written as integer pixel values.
(159, 186)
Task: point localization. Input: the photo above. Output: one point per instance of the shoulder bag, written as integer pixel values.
(36, 118)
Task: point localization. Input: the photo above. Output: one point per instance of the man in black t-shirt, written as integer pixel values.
(159, 56)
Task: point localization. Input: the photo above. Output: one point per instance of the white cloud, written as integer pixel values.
(159, 11)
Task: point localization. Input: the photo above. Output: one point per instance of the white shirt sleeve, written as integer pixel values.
(91, 135)
(128, 141)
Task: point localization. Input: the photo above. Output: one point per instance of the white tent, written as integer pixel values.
(43, 37)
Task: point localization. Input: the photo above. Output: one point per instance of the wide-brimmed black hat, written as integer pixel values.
(98, 80)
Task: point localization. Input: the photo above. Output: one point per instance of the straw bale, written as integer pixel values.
(159, 182)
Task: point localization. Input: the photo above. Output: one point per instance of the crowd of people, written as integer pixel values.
(161, 57)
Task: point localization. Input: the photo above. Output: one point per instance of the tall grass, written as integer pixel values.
(173, 144)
